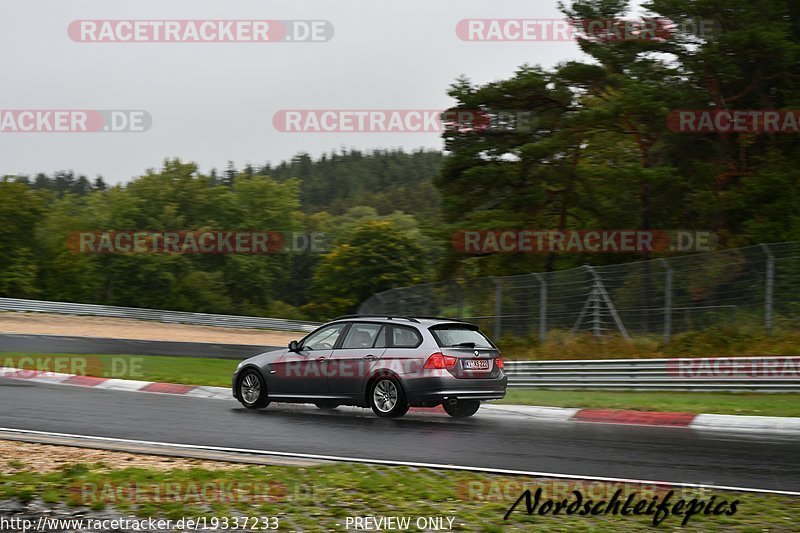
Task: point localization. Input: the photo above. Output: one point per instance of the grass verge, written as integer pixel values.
(187, 370)
(721, 341)
(320, 498)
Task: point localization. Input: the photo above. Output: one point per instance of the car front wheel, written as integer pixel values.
(387, 398)
(462, 408)
(253, 390)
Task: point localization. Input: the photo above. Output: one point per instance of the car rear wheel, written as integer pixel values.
(462, 408)
(387, 398)
(253, 390)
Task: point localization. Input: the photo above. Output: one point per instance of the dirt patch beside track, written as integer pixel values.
(123, 328)
(44, 458)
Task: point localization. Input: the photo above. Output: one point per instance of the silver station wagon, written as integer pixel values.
(386, 363)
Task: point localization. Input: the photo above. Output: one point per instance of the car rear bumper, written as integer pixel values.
(430, 391)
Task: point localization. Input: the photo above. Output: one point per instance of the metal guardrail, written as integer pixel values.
(730, 374)
(175, 317)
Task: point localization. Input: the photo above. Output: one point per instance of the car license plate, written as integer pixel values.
(475, 364)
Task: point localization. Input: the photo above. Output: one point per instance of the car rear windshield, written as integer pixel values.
(455, 335)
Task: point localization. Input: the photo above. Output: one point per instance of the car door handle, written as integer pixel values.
(370, 356)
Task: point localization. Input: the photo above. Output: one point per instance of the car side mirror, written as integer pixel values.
(293, 346)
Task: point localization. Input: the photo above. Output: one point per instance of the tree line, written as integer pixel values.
(363, 204)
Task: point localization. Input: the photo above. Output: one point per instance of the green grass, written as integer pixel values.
(188, 370)
(320, 498)
(693, 402)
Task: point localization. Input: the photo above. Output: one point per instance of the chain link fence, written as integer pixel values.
(742, 286)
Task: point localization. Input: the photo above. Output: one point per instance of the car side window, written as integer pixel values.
(405, 337)
(361, 336)
(324, 339)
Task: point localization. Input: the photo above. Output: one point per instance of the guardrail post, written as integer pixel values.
(667, 300)
(768, 287)
(498, 308)
(542, 307)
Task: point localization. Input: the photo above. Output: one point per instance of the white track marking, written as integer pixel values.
(387, 462)
(754, 424)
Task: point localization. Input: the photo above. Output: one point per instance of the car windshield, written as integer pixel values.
(450, 336)
(323, 339)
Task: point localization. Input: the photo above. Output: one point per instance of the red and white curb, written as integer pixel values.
(117, 384)
(759, 424)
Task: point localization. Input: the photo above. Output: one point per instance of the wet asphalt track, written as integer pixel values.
(649, 453)
(81, 345)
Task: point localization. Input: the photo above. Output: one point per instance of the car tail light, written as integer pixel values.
(440, 361)
(498, 362)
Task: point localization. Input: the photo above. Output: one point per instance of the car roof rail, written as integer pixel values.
(440, 318)
(388, 317)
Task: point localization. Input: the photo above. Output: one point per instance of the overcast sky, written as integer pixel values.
(214, 102)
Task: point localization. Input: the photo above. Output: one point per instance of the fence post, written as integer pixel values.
(667, 300)
(542, 307)
(498, 308)
(768, 287)
(599, 291)
(596, 318)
